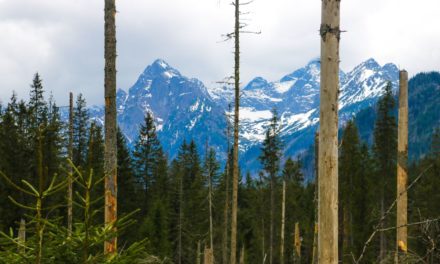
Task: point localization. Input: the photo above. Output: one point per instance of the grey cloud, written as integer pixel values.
(63, 39)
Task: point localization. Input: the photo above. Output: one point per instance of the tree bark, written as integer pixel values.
(297, 242)
(208, 256)
(198, 253)
(271, 227)
(110, 151)
(22, 237)
(69, 179)
(233, 258)
(402, 161)
(328, 134)
(180, 218)
(283, 219)
(242, 255)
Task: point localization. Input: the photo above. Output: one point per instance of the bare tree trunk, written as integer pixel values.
(242, 255)
(315, 234)
(69, 179)
(233, 258)
(110, 150)
(22, 236)
(283, 219)
(402, 161)
(180, 219)
(263, 240)
(208, 256)
(198, 253)
(272, 208)
(297, 244)
(328, 134)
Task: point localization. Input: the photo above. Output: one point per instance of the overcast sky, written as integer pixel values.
(63, 40)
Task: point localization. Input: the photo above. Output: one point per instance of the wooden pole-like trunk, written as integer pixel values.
(69, 179)
(402, 164)
(328, 134)
(242, 255)
(272, 214)
(179, 252)
(22, 237)
(297, 245)
(198, 259)
(110, 151)
(283, 219)
(315, 231)
(263, 240)
(234, 208)
(208, 256)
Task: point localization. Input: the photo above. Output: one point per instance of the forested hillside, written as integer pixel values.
(173, 195)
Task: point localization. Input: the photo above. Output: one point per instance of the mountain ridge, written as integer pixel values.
(184, 108)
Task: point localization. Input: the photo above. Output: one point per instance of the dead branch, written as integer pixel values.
(377, 226)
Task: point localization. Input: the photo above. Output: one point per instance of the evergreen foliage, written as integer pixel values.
(164, 205)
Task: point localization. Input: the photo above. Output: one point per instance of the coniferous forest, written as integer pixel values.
(56, 188)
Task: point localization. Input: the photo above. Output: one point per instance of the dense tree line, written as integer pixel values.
(181, 202)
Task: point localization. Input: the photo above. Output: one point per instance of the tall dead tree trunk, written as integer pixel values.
(233, 258)
(180, 219)
(283, 219)
(22, 237)
(242, 255)
(272, 218)
(69, 179)
(297, 245)
(328, 134)
(198, 259)
(263, 240)
(110, 151)
(402, 164)
(208, 257)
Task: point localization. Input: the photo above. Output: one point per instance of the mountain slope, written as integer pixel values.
(185, 109)
(423, 115)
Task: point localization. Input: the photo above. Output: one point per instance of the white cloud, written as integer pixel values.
(63, 39)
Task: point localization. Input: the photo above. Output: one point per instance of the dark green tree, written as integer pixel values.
(80, 135)
(147, 154)
(385, 154)
(270, 160)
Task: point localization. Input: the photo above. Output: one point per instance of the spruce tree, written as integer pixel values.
(128, 189)
(350, 166)
(147, 154)
(270, 159)
(385, 143)
(37, 105)
(80, 126)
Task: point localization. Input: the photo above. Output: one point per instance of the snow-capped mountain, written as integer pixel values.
(181, 106)
(296, 99)
(185, 109)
